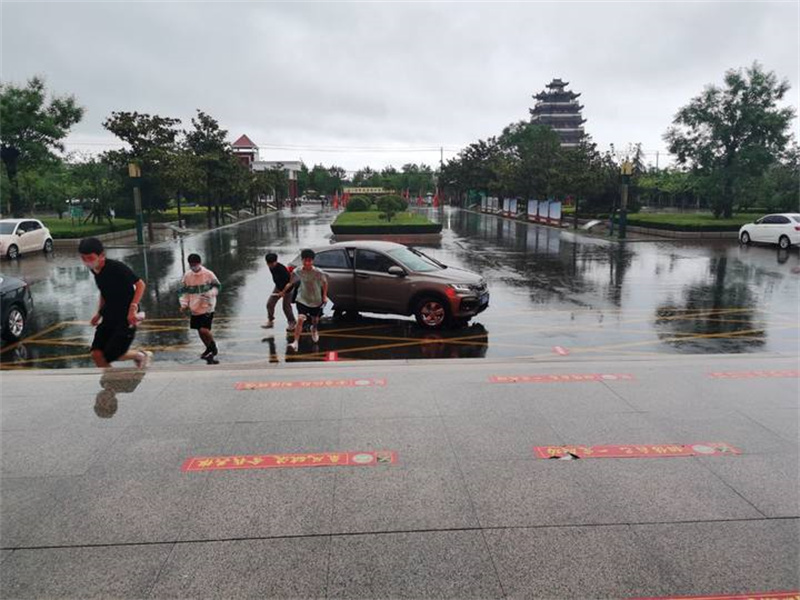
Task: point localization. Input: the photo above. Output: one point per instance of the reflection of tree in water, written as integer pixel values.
(539, 259)
(713, 308)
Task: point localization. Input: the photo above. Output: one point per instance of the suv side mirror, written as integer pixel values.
(396, 271)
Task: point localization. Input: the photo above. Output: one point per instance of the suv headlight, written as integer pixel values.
(463, 288)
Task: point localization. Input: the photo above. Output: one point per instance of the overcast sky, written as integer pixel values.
(357, 84)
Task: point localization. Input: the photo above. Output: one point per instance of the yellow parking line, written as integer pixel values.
(31, 338)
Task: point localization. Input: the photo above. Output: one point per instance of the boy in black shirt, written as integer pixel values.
(281, 276)
(116, 317)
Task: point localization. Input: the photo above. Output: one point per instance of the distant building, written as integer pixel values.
(559, 109)
(247, 152)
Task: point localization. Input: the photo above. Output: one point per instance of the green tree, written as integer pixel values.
(100, 183)
(207, 142)
(390, 205)
(730, 134)
(32, 128)
(151, 140)
(528, 162)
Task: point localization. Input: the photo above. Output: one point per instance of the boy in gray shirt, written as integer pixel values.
(311, 296)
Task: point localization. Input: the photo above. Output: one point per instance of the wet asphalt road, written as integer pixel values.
(554, 293)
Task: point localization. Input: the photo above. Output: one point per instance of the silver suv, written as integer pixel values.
(384, 277)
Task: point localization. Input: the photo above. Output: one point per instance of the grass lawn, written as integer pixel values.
(64, 228)
(372, 218)
(690, 221)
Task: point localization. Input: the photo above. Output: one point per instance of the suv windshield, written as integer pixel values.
(414, 260)
(7, 228)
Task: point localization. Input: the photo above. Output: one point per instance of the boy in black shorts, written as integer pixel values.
(311, 296)
(198, 298)
(116, 317)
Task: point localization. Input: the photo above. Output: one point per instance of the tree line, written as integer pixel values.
(732, 144)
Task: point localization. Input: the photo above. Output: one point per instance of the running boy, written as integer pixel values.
(280, 276)
(116, 317)
(198, 297)
(311, 296)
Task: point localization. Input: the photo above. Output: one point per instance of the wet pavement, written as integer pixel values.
(399, 479)
(554, 293)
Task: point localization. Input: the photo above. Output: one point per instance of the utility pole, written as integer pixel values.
(135, 173)
(656, 160)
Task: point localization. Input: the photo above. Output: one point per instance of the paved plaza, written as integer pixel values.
(404, 479)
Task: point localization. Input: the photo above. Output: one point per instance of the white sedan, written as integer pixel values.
(18, 236)
(782, 229)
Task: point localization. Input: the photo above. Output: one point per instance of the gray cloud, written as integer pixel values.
(408, 75)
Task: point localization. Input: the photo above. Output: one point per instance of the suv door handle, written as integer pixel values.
(362, 276)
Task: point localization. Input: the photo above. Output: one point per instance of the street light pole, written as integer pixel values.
(627, 171)
(135, 173)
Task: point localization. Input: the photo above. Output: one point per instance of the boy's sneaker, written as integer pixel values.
(269, 324)
(206, 353)
(210, 360)
(291, 326)
(314, 335)
(143, 359)
(294, 346)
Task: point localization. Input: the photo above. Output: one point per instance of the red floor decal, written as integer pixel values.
(289, 461)
(753, 374)
(561, 378)
(636, 450)
(755, 596)
(322, 383)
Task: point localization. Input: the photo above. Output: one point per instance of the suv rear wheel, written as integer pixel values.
(432, 312)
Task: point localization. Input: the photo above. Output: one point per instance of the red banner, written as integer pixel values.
(755, 596)
(753, 374)
(561, 378)
(636, 450)
(289, 461)
(322, 383)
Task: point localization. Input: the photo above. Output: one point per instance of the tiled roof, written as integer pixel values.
(244, 142)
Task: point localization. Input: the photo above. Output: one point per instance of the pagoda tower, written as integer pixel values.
(559, 109)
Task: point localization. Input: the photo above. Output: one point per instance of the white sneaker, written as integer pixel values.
(143, 359)
(314, 335)
(294, 346)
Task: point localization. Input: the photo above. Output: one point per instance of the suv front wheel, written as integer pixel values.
(432, 313)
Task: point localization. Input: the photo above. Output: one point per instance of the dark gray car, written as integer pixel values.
(384, 277)
(16, 305)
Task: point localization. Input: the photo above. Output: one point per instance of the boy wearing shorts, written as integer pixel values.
(198, 298)
(311, 296)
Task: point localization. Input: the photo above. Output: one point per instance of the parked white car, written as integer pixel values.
(19, 236)
(782, 229)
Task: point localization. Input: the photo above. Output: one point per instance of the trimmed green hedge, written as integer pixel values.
(64, 229)
(386, 229)
(689, 222)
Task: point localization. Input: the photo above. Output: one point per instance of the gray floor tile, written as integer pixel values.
(452, 564)
(719, 425)
(783, 421)
(263, 503)
(5, 554)
(107, 572)
(417, 441)
(726, 558)
(53, 452)
(391, 498)
(279, 568)
(387, 402)
(536, 492)
(580, 397)
(499, 437)
(282, 437)
(574, 562)
(666, 489)
(119, 509)
(287, 405)
(161, 449)
(771, 482)
(615, 428)
(24, 503)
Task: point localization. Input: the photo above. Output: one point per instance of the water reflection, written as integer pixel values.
(113, 382)
(548, 286)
